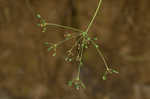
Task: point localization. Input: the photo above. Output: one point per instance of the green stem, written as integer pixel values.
(78, 75)
(101, 55)
(61, 42)
(80, 64)
(65, 27)
(95, 14)
(75, 43)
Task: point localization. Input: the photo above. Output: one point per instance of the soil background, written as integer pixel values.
(28, 71)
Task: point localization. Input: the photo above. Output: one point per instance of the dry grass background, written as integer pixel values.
(28, 71)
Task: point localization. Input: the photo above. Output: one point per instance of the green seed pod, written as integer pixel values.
(82, 84)
(38, 16)
(95, 38)
(86, 46)
(114, 71)
(69, 83)
(49, 49)
(44, 29)
(46, 43)
(81, 63)
(67, 35)
(88, 38)
(66, 59)
(104, 77)
(70, 59)
(82, 45)
(54, 54)
(39, 25)
(77, 87)
(96, 46)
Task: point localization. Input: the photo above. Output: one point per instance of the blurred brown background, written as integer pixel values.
(28, 71)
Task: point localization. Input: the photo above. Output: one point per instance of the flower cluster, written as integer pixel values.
(81, 43)
(42, 23)
(76, 83)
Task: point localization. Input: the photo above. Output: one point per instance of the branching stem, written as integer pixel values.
(65, 27)
(95, 14)
(101, 55)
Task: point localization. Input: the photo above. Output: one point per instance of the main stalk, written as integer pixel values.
(95, 14)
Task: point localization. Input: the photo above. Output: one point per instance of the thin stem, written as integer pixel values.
(75, 43)
(101, 55)
(95, 14)
(81, 55)
(59, 43)
(78, 75)
(65, 27)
